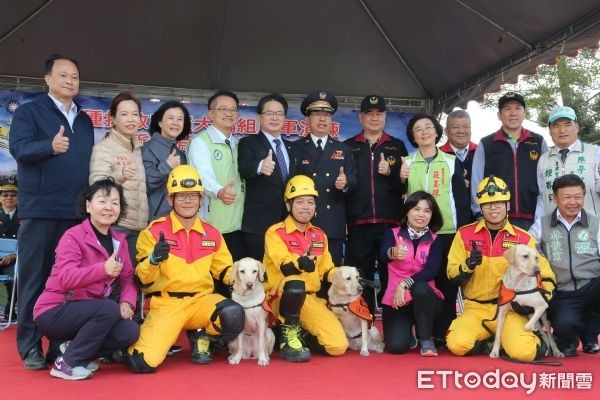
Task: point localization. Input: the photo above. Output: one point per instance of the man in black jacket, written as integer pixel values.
(51, 138)
(376, 204)
(329, 163)
(265, 162)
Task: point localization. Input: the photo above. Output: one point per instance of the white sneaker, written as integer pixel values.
(61, 369)
(91, 366)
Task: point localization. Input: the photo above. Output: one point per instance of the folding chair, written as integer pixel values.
(9, 246)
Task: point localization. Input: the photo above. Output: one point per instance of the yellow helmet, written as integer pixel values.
(184, 178)
(300, 185)
(492, 189)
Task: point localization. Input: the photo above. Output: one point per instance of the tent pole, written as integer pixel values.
(25, 21)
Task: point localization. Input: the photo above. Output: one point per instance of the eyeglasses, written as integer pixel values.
(278, 114)
(423, 129)
(225, 110)
(9, 195)
(187, 196)
(321, 115)
(493, 204)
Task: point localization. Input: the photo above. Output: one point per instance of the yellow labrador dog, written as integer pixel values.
(520, 285)
(257, 338)
(347, 304)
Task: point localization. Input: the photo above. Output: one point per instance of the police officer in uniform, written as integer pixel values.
(329, 163)
(9, 226)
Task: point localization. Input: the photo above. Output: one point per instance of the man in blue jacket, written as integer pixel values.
(51, 138)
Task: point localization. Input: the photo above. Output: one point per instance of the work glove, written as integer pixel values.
(306, 264)
(161, 250)
(475, 258)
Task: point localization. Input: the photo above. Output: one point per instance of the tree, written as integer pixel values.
(571, 81)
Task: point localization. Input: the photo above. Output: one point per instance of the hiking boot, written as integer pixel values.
(201, 353)
(291, 347)
(63, 370)
(428, 348)
(91, 366)
(34, 360)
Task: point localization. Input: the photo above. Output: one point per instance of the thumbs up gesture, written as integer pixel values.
(173, 159)
(268, 165)
(161, 250)
(384, 167)
(227, 195)
(113, 265)
(400, 251)
(341, 181)
(475, 258)
(404, 170)
(60, 143)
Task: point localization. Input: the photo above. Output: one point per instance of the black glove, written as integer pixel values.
(306, 264)
(161, 250)
(475, 258)
(522, 310)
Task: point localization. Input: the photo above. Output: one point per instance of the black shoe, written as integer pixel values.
(291, 347)
(590, 348)
(34, 360)
(174, 349)
(570, 351)
(201, 353)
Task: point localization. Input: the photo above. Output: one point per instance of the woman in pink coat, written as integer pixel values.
(413, 253)
(74, 307)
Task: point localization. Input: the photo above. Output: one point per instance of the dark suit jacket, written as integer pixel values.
(324, 169)
(264, 204)
(9, 227)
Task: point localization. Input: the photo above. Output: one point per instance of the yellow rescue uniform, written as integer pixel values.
(284, 244)
(181, 286)
(481, 287)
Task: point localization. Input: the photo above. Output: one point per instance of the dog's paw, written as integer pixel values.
(529, 327)
(558, 354)
(379, 348)
(234, 359)
(494, 353)
(262, 360)
(364, 352)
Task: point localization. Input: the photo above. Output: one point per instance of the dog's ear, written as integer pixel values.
(335, 275)
(233, 273)
(510, 254)
(262, 273)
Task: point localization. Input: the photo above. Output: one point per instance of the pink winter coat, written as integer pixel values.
(78, 272)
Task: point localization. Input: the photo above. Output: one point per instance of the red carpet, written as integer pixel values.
(379, 376)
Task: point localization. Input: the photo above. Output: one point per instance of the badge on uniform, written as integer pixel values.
(391, 160)
(293, 243)
(507, 244)
(534, 155)
(208, 243)
(318, 245)
(218, 154)
(337, 155)
(306, 162)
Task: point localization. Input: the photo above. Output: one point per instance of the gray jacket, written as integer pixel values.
(154, 155)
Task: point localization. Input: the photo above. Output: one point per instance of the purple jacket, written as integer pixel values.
(78, 272)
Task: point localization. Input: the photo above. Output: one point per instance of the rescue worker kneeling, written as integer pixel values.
(297, 259)
(179, 255)
(477, 264)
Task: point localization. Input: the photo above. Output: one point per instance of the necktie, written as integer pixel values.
(228, 142)
(461, 155)
(280, 159)
(319, 142)
(563, 154)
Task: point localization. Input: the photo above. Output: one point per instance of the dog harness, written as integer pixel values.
(267, 307)
(507, 295)
(358, 307)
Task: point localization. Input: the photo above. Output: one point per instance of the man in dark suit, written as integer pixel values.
(265, 162)
(329, 163)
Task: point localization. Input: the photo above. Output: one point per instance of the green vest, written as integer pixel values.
(435, 178)
(224, 162)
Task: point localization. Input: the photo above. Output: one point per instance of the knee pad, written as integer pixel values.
(232, 318)
(292, 299)
(135, 361)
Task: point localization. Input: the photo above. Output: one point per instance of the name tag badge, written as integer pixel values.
(208, 243)
(318, 245)
(337, 155)
(306, 162)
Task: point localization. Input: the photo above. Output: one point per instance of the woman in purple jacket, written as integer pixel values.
(414, 256)
(74, 307)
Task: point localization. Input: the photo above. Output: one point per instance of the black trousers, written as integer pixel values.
(449, 291)
(37, 240)
(255, 245)
(421, 312)
(94, 327)
(569, 310)
(336, 249)
(235, 244)
(364, 244)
